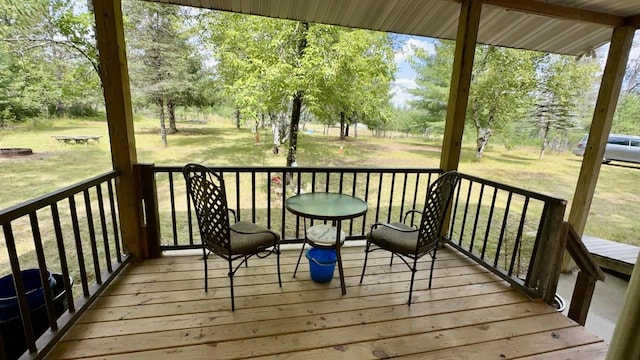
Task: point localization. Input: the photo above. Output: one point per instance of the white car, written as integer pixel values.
(619, 148)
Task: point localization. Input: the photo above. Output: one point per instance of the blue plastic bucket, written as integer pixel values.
(33, 288)
(322, 263)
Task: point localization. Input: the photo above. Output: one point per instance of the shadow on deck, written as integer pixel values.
(158, 309)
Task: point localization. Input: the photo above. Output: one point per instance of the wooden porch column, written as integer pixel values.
(624, 343)
(114, 74)
(466, 38)
(617, 58)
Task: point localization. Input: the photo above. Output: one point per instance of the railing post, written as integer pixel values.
(547, 259)
(148, 196)
(589, 273)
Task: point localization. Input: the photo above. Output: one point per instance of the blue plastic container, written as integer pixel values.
(9, 307)
(322, 263)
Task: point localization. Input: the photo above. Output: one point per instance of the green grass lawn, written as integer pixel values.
(217, 142)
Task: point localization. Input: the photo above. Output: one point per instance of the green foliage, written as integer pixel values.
(627, 116)
(433, 75)
(48, 60)
(339, 70)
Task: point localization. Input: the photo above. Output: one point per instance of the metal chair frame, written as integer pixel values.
(208, 194)
(437, 202)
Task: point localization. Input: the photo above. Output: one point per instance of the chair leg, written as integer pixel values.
(391, 260)
(299, 257)
(366, 255)
(206, 275)
(233, 306)
(278, 262)
(433, 262)
(413, 275)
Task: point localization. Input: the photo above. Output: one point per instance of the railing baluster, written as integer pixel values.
(466, 211)
(283, 198)
(327, 184)
(269, 200)
(42, 265)
(366, 199)
(238, 195)
(353, 193)
(189, 217)
(172, 198)
(103, 228)
(393, 187)
(64, 267)
(404, 192)
(516, 245)
(92, 236)
(489, 220)
(114, 221)
(253, 197)
(78, 241)
(19, 287)
(503, 228)
(475, 222)
(455, 213)
(379, 197)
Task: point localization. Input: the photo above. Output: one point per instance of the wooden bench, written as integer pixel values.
(76, 139)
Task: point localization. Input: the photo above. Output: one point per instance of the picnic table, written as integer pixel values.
(76, 139)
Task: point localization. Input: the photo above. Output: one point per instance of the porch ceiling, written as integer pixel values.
(558, 26)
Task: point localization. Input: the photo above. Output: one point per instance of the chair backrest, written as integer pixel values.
(207, 192)
(438, 199)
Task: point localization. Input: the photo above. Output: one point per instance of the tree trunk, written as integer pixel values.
(342, 118)
(275, 130)
(163, 128)
(237, 118)
(172, 117)
(544, 141)
(483, 138)
(296, 106)
(293, 129)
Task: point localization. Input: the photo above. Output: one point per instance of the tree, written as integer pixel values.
(563, 81)
(502, 84)
(277, 67)
(433, 75)
(166, 70)
(52, 44)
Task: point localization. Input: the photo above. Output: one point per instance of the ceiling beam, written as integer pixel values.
(633, 21)
(560, 11)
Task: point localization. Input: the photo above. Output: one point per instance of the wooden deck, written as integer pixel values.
(158, 310)
(612, 255)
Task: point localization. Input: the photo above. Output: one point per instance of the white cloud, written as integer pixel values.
(405, 75)
(409, 46)
(400, 93)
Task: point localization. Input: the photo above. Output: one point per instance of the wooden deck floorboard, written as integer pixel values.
(158, 310)
(612, 255)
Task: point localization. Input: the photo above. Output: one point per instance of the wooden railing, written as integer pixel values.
(515, 233)
(73, 232)
(258, 195)
(589, 272)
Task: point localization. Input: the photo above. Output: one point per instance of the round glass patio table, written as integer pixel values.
(328, 206)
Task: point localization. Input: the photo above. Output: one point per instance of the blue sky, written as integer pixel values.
(405, 76)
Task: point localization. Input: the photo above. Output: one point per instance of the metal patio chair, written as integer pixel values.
(410, 243)
(238, 241)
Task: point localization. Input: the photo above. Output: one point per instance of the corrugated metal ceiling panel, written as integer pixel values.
(439, 19)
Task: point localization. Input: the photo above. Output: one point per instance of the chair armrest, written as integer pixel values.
(411, 212)
(392, 227)
(233, 212)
